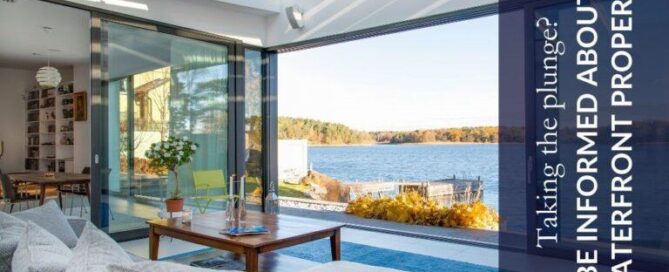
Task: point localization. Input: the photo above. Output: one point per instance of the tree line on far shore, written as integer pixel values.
(327, 133)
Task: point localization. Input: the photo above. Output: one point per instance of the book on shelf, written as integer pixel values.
(49, 128)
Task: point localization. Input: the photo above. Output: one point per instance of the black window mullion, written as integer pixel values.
(232, 113)
(270, 124)
(240, 124)
(98, 121)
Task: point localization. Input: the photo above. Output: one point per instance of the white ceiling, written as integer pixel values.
(264, 22)
(260, 7)
(257, 22)
(22, 34)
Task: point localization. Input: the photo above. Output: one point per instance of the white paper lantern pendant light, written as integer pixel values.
(47, 76)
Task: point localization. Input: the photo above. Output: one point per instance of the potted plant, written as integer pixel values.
(168, 155)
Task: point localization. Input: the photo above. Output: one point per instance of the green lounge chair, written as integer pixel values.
(205, 182)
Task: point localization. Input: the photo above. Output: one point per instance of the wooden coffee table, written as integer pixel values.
(283, 232)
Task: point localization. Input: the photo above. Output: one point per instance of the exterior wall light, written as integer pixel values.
(295, 16)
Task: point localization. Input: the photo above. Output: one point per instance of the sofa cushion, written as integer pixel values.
(77, 224)
(136, 258)
(39, 250)
(50, 217)
(339, 266)
(11, 229)
(156, 266)
(95, 250)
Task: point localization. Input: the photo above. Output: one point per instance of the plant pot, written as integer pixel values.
(174, 204)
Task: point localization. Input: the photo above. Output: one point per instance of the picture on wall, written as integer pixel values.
(80, 106)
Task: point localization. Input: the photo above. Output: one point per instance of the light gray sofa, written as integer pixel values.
(78, 225)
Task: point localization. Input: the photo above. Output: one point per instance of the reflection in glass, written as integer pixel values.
(253, 125)
(159, 85)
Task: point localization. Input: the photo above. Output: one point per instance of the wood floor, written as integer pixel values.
(268, 262)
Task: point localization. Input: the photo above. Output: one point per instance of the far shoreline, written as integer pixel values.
(425, 143)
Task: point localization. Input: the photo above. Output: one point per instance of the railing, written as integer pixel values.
(446, 191)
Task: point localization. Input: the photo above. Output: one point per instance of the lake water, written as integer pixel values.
(411, 162)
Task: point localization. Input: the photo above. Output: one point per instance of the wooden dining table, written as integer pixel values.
(42, 180)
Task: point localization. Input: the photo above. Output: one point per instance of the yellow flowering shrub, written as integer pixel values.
(412, 208)
(476, 215)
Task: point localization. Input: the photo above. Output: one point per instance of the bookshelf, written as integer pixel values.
(50, 129)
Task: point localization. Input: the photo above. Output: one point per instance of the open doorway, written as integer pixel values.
(400, 127)
(45, 125)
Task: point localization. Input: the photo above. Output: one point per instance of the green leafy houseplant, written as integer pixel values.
(168, 155)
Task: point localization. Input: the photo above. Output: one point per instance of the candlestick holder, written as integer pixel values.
(241, 205)
(230, 206)
(235, 211)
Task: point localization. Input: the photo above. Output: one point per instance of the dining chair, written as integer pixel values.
(12, 194)
(79, 190)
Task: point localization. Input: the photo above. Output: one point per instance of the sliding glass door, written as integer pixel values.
(253, 125)
(155, 85)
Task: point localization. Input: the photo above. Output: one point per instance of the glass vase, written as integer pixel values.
(272, 201)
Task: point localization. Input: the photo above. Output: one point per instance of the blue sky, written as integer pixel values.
(436, 77)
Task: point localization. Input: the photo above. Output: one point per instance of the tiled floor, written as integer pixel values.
(175, 249)
(472, 254)
(169, 248)
(482, 256)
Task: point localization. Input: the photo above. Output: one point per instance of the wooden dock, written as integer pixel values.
(445, 191)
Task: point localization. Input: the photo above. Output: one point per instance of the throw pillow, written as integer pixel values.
(50, 217)
(11, 229)
(39, 250)
(95, 251)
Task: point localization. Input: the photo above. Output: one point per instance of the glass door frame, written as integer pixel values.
(99, 106)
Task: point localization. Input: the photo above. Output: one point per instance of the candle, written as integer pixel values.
(242, 192)
(231, 185)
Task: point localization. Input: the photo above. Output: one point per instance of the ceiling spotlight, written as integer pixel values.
(295, 16)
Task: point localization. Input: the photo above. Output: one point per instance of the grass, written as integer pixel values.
(285, 189)
(293, 190)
